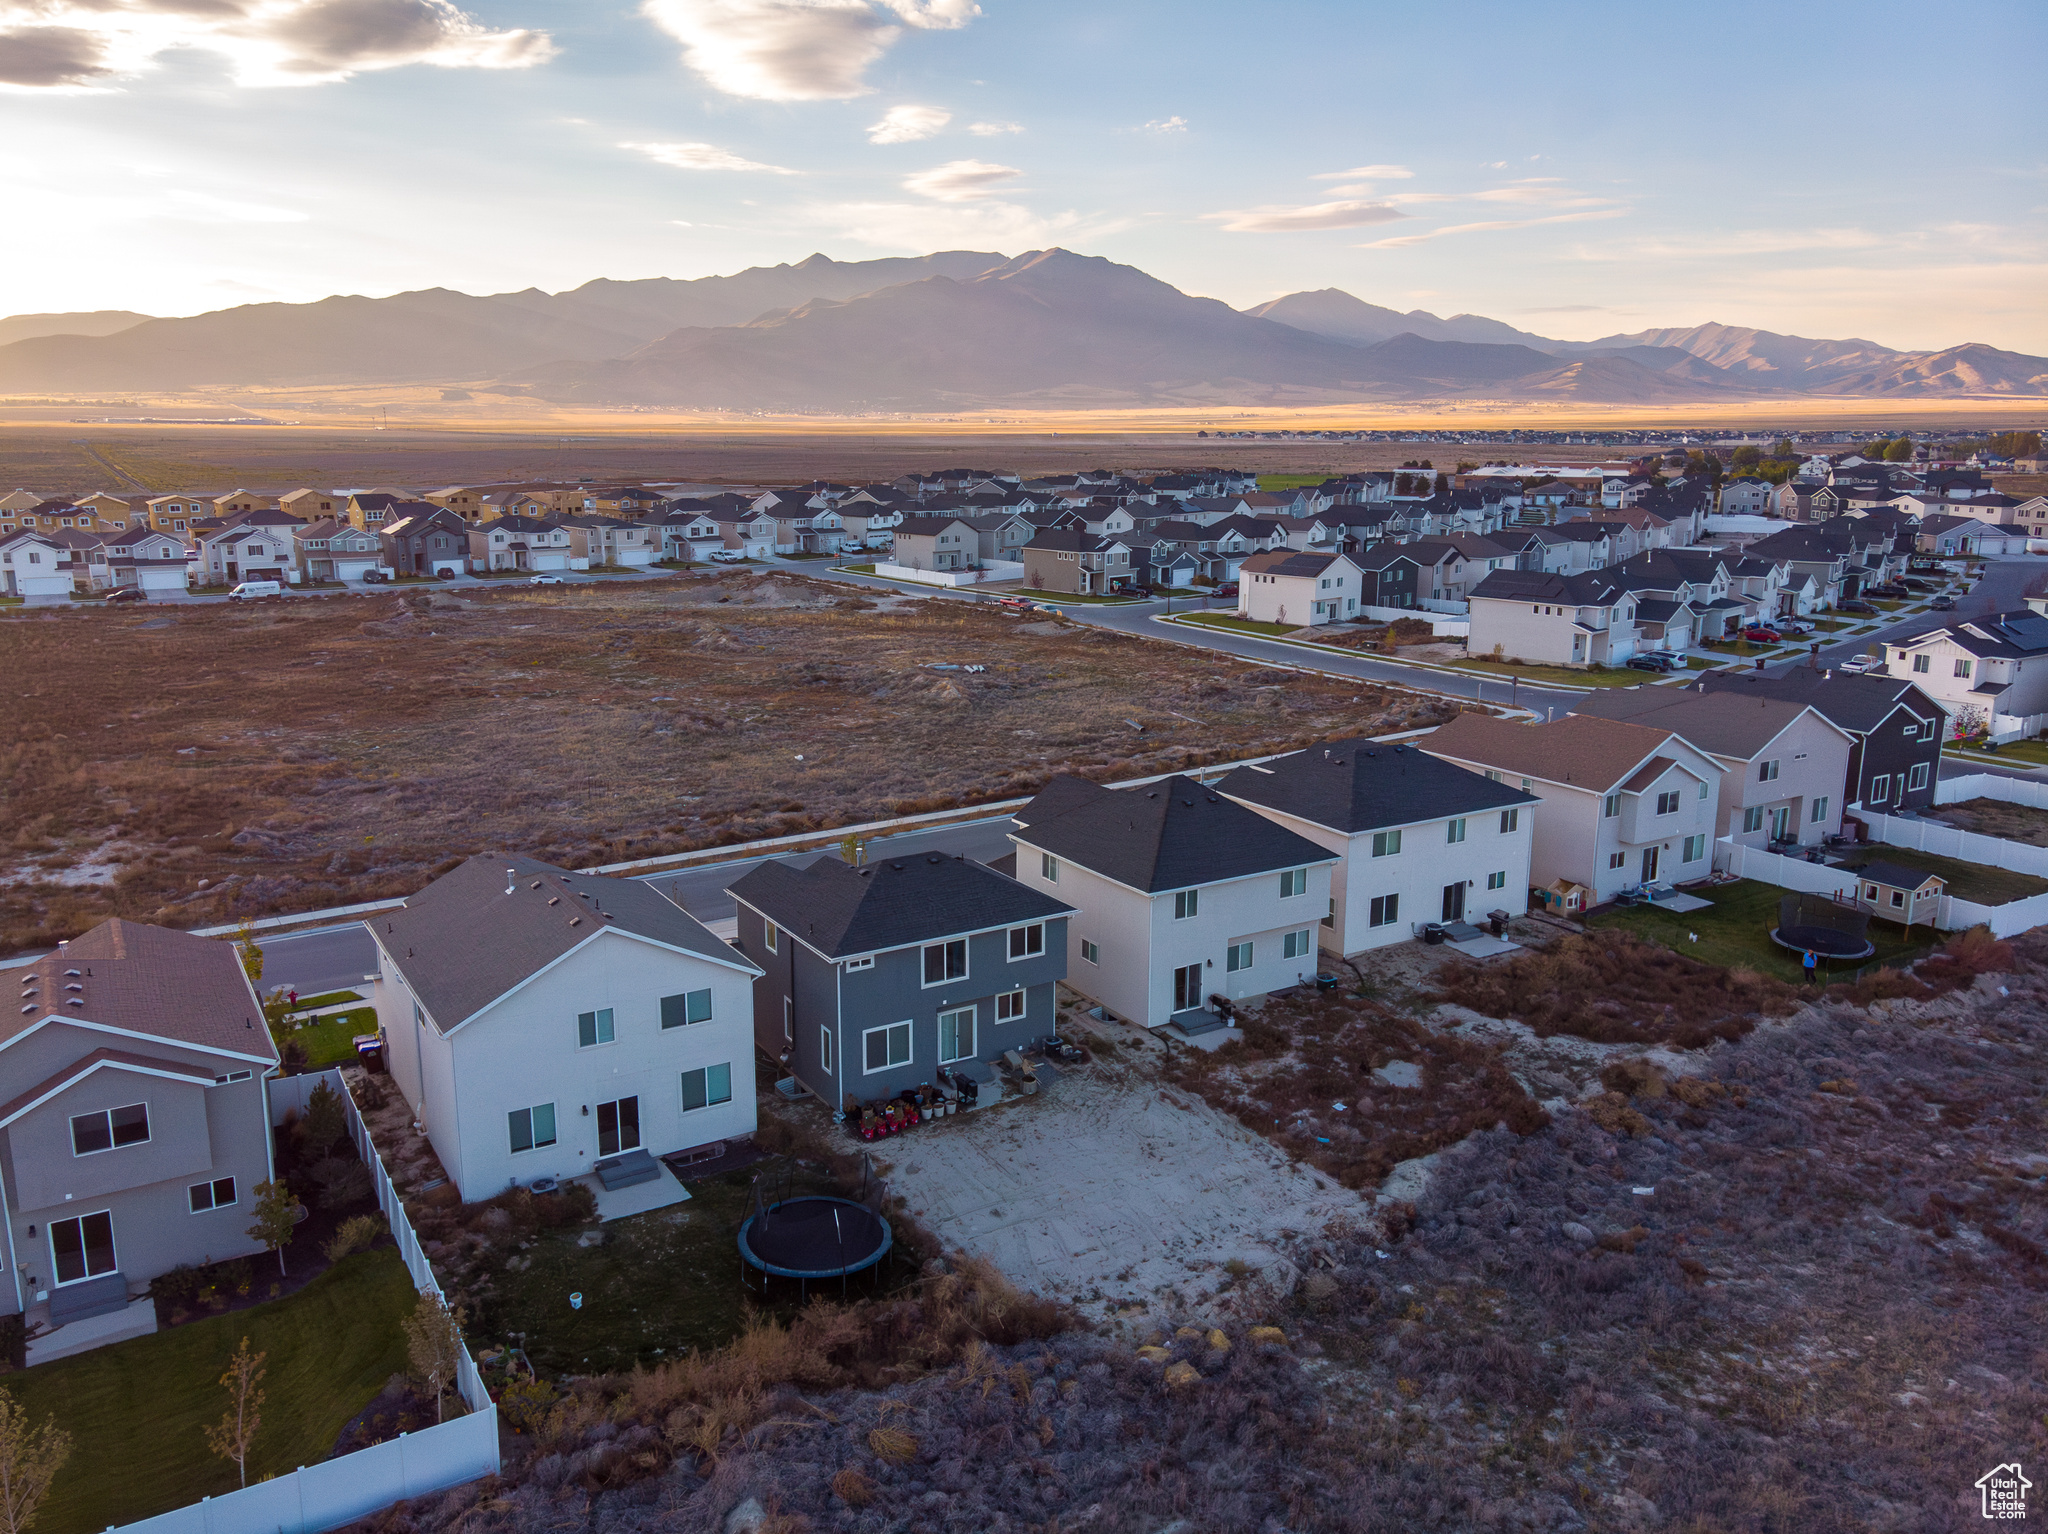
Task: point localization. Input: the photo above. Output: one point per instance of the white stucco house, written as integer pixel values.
(1987, 672)
(540, 1021)
(1301, 590)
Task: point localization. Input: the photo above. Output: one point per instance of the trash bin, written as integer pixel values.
(370, 1053)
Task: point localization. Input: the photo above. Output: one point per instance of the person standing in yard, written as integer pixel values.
(1811, 964)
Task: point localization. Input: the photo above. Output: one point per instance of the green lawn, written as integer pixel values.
(1235, 624)
(1966, 881)
(2027, 752)
(331, 1041)
(136, 1410)
(324, 999)
(1568, 676)
(1036, 595)
(858, 569)
(1294, 481)
(1737, 931)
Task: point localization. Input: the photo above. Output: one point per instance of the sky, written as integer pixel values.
(1575, 169)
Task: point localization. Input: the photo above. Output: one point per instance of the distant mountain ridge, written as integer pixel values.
(956, 329)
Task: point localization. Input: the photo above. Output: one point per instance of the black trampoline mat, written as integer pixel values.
(1826, 942)
(815, 1237)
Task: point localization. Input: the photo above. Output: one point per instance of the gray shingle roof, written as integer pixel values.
(1856, 703)
(840, 910)
(150, 981)
(463, 942)
(1164, 836)
(1358, 785)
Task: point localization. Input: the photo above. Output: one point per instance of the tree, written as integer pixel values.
(252, 954)
(1443, 484)
(243, 1380)
(1785, 449)
(29, 1460)
(277, 1216)
(433, 1341)
(1900, 451)
(325, 1122)
(2016, 444)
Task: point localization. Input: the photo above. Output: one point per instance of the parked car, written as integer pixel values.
(127, 594)
(249, 591)
(544, 580)
(1862, 663)
(375, 578)
(1943, 605)
(1793, 630)
(1854, 606)
(1757, 634)
(1019, 604)
(444, 574)
(1648, 663)
(1888, 591)
(726, 557)
(1227, 589)
(1912, 583)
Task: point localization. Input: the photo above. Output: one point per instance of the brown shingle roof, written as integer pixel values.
(1594, 754)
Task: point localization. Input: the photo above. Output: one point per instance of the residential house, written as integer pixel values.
(1181, 894)
(540, 1022)
(372, 509)
(684, 531)
(240, 503)
(1419, 839)
(1624, 805)
(156, 564)
(1300, 590)
(1388, 576)
(176, 513)
(1784, 761)
(112, 512)
(1976, 668)
(250, 546)
(606, 540)
(937, 543)
(35, 567)
(1587, 619)
(466, 501)
(745, 530)
(874, 978)
(333, 550)
(310, 505)
(427, 541)
(1071, 560)
(136, 1122)
(518, 543)
(1896, 729)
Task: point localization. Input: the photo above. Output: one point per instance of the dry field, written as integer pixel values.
(213, 763)
(1994, 817)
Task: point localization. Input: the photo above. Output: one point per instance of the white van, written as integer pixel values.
(249, 590)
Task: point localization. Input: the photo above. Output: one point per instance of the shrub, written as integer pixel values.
(343, 1181)
(525, 1404)
(356, 1234)
(1966, 956)
(325, 1120)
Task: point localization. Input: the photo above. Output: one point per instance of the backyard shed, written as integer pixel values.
(1904, 895)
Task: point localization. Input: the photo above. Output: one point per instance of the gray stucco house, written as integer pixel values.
(876, 977)
(134, 1119)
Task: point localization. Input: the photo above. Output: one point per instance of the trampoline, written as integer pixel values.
(811, 1238)
(1816, 924)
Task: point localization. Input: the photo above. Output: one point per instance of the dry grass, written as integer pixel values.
(1994, 817)
(221, 763)
(1614, 988)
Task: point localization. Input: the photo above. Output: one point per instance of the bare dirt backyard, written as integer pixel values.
(1994, 817)
(206, 764)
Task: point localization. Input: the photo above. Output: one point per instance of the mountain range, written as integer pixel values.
(955, 329)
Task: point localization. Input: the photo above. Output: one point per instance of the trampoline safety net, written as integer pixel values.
(1818, 923)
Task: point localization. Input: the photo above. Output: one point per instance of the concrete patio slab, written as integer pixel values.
(641, 1198)
(137, 1320)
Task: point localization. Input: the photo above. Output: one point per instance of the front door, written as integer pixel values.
(1454, 901)
(1650, 865)
(1187, 987)
(618, 1126)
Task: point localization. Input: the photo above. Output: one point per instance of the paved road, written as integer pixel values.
(1997, 590)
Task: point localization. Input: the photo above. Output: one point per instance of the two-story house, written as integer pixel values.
(1588, 619)
(250, 546)
(937, 543)
(1784, 762)
(1071, 560)
(1419, 839)
(540, 1021)
(1182, 894)
(873, 978)
(333, 550)
(1623, 804)
(426, 542)
(1897, 729)
(153, 563)
(1989, 672)
(135, 1124)
(35, 567)
(518, 543)
(1299, 590)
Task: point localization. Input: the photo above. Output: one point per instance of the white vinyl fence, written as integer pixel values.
(1951, 915)
(992, 570)
(1458, 627)
(1947, 841)
(325, 1496)
(1987, 785)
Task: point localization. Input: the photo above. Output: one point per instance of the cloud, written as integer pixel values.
(1499, 223)
(1367, 173)
(1318, 215)
(702, 157)
(990, 225)
(960, 180)
(73, 44)
(908, 124)
(796, 50)
(1165, 125)
(994, 130)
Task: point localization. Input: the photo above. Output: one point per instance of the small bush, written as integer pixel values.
(853, 1488)
(893, 1445)
(343, 1181)
(356, 1234)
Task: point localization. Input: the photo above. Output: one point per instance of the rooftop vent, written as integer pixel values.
(71, 972)
(554, 900)
(511, 880)
(74, 987)
(575, 921)
(26, 1010)
(75, 1001)
(936, 857)
(897, 867)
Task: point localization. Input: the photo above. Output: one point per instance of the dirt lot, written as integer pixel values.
(213, 763)
(1994, 817)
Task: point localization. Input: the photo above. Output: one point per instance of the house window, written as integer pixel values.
(218, 1194)
(945, 961)
(825, 1050)
(1922, 663)
(1298, 945)
(1027, 942)
(1048, 868)
(1695, 849)
(1753, 817)
(1767, 772)
(1090, 952)
(709, 1087)
(771, 936)
(690, 1007)
(1917, 778)
(1667, 803)
(1510, 821)
(83, 1248)
(1492, 776)
(1294, 881)
(1962, 668)
(1820, 809)
(859, 964)
(1385, 844)
(109, 1129)
(886, 1046)
(1528, 785)
(1898, 898)
(1188, 903)
(1880, 787)
(1454, 831)
(1616, 859)
(1236, 957)
(1385, 910)
(1926, 730)
(532, 1127)
(956, 1035)
(1703, 788)
(593, 1028)
(1010, 1007)
(1611, 806)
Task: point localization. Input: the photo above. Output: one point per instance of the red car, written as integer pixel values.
(1227, 589)
(1761, 635)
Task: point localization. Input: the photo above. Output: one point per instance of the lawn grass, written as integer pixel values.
(331, 1041)
(1290, 481)
(867, 569)
(136, 1410)
(1067, 596)
(1736, 933)
(2034, 752)
(324, 999)
(1966, 881)
(1568, 676)
(1236, 624)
